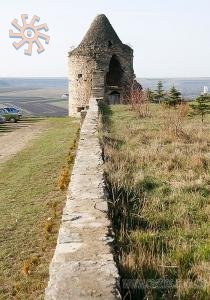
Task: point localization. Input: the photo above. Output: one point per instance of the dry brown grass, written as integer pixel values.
(158, 177)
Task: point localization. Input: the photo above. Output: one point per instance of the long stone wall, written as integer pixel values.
(83, 266)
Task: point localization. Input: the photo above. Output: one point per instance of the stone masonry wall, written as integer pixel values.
(80, 82)
(83, 265)
(83, 67)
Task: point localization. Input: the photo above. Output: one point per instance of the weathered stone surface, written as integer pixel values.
(101, 66)
(82, 266)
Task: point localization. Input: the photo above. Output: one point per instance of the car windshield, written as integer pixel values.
(11, 109)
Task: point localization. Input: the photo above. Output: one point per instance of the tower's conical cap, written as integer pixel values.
(100, 33)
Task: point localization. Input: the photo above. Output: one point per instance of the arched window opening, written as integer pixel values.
(115, 74)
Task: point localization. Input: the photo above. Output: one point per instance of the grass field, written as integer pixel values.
(158, 177)
(30, 210)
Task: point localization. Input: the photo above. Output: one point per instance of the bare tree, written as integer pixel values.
(137, 98)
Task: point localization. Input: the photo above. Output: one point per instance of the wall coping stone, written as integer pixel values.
(83, 266)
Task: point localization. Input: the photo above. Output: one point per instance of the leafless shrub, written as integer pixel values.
(138, 99)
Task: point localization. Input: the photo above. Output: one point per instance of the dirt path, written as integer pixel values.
(14, 137)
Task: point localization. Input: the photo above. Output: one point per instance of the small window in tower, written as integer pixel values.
(109, 44)
(79, 75)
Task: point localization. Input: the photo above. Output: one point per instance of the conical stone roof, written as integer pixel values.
(100, 34)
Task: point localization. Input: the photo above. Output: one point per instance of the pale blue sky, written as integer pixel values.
(170, 38)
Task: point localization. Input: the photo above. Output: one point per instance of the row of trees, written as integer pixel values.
(173, 97)
(200, 106)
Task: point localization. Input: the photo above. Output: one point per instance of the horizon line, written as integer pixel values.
(59, 77)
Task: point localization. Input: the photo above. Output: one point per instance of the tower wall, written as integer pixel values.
(98, 90)
(100, 66)
(81, 70)
(124, 55)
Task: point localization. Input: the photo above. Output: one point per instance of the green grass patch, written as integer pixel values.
(31, 204)
(60, 103)
(158, 177)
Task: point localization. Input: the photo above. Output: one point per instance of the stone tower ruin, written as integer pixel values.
(101, 67)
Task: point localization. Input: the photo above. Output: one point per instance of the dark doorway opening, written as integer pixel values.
(114, 98)
(115, 74)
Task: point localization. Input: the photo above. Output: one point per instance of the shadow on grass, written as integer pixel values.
(5, 128)
(31, 120)
(106, 122)
(9, 127)
(106, 113)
